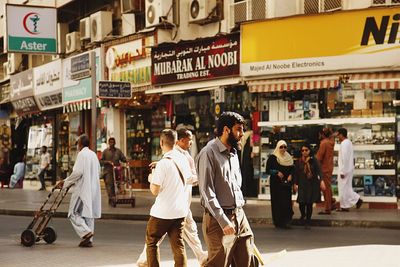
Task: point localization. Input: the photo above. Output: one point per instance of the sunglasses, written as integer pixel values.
(283, 147)
(305, 150)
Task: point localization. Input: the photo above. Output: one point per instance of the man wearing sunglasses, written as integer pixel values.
(225, 227)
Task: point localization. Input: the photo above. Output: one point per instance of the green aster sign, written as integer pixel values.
(31, 29)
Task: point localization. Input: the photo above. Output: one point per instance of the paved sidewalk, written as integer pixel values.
(26, 202)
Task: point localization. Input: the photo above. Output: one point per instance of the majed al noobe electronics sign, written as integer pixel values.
(31, 29)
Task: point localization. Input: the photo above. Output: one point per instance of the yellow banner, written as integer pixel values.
(368, 31)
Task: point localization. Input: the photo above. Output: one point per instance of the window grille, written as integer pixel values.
(247, 10)
(331, 5)
(311, 6)
(317, 6)
(385, 2)
(258, 9)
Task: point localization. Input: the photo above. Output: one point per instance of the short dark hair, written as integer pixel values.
(184, 133)
(84, 139)
(342, 131)
(228, 119)
(169, 137)
(111, 138)
(326, 132)
(45, 148)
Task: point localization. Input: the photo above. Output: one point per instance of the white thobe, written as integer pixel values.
(347, 197)
(85, 178)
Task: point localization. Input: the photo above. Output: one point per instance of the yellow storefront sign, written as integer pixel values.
(358, 39)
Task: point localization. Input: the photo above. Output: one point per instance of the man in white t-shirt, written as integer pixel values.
(169, 184)
(44, 165)
(190, 233)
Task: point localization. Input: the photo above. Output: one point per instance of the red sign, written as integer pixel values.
(202, 59)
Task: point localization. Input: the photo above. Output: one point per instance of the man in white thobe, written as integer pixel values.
(85, 204)
(347, 197)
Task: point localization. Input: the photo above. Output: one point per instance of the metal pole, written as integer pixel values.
(93, 101)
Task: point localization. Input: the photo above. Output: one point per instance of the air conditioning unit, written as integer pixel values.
(158, 11)
(14, 62)
(132, 6)
(62, 30)
(84, 28)
(6, 74)
(101, 25)
(199, 10)
(73, 42)
(128, 24)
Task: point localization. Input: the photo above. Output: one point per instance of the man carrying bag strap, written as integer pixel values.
(171, 205)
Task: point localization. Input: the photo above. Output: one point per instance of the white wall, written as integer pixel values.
(281, 8)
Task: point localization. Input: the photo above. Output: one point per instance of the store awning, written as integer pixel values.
(293, 84)
(199, 85)
(76, 106)
(383, 80)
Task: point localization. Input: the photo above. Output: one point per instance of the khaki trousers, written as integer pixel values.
(226, 250)
(156, 228)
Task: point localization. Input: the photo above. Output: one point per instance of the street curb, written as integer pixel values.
(258, 221)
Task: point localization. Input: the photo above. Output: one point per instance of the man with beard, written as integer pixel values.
(225, 227)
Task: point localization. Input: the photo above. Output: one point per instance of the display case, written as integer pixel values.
(74, 132)
(139, 145)
(63, 148)
(374, 151)
(39, 135)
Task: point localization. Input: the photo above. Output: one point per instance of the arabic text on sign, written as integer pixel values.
(115, 89)
(80, 63)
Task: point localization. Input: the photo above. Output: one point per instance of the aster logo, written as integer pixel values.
(30, 23)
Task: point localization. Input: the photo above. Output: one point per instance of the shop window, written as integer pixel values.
(196, 113)
(138, 135)
(63, 147)
(39, 135)
(139, 140)
(350, 102)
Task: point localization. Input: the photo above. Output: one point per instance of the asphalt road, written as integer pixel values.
(119, 243)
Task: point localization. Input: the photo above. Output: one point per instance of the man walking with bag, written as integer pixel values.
(167, 215)
(225, 227)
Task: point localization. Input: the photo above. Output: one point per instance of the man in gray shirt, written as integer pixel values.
(225, 227)
(111, 157)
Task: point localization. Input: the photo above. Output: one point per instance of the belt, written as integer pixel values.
(232, 211)
(226, 211)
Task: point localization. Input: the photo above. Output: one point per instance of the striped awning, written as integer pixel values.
(76, 106)
(382, 80)
(294, 84)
